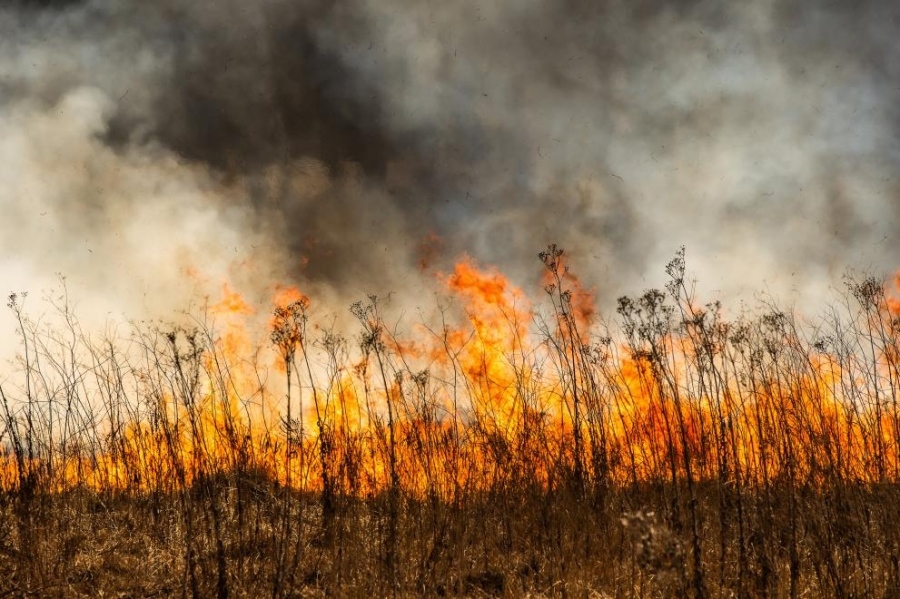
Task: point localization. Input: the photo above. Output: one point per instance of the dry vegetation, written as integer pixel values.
(669, 453)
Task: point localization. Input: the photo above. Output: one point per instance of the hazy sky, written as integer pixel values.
(150, 151)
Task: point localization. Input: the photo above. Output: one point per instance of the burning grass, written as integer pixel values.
(512, 451)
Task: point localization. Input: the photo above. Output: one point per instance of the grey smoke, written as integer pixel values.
(319, 142)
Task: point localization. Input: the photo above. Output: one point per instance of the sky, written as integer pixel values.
(152, 152)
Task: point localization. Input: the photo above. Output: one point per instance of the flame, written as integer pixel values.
(893, 300)
(580, 301)
(487, 351)
(287, 294)
(487, 399)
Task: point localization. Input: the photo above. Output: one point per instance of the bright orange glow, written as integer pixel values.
(231, 303)
(287, 294)
(487, 351)
(489, 398)
(894, 299)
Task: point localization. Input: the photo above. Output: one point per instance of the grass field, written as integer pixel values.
(516, 448)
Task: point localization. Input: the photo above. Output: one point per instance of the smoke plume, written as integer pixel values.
(153, 149)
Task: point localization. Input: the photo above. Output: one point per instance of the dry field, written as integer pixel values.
(512, 450)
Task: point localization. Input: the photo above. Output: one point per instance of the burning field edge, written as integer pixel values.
(512, 448)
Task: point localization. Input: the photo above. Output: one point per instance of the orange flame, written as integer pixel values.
(490, 400)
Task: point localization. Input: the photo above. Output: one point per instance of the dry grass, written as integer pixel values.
(669, 454)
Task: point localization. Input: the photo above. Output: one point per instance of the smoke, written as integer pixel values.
(151, 150)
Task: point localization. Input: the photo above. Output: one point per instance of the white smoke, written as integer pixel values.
(150, 154)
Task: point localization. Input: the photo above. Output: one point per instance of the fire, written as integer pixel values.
(487, 354)
(894, 299)
(557, 278)
(231, 303)
(500, 395)
(287, 294)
